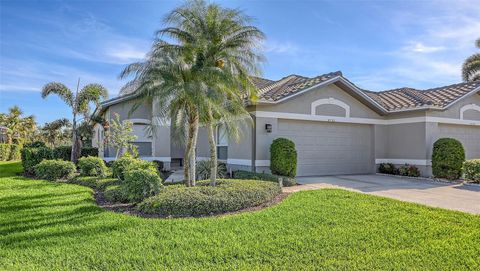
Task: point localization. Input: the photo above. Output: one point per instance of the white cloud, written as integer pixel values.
(127, 54)
(419, 47)
(280, 47)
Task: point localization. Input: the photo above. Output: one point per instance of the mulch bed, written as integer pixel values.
(129, 208)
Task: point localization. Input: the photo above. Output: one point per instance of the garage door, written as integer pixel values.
(330, 148)
(468, 135)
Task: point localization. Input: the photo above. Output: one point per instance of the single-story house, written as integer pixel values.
(337, 127)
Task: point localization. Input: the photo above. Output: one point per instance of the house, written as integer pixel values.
(337, 127)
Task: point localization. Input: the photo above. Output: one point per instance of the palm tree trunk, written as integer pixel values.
(189, 156)
(213, 150)
(75, 144)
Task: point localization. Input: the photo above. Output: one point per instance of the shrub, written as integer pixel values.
(33, 156)
(119, 166)
(203, 170)
(387, 168)
(409, 170)
(140, 184)
(88, 151)
(92, 166)
(447, 158)
(55, 170)
(142, 164)
(63, 152)
(283, 157)
(4, 152)
(115, 193)
(35, 144)
(94, 182)
(15, 152)
(226, 196)
(248, 175)
(472, 170)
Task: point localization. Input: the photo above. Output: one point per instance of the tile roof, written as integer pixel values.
(390, 100)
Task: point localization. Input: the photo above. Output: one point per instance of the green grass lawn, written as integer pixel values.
(54, 226)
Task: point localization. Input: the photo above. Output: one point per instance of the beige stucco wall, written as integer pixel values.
(454, 110)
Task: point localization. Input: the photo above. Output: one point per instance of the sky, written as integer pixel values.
(378, 45)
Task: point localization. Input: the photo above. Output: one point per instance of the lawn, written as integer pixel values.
(53, 226)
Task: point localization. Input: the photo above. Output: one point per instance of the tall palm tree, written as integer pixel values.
(56, 131)
(18, 129)
(471, 66)
(79, 103)
(215, 51)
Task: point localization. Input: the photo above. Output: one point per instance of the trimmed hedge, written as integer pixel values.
(140, 184)
(248, 175)
(10, 152)
(94, 182)
(447, 158)
(115, 193)
(92, 166)
(55, 170)
(283, 157)
(472, 170)
(33, 156)
(88, 151)
(63, 152)
(35, 144)
(226, 196)
(119, 166)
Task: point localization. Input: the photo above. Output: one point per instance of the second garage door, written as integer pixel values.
(330, 148)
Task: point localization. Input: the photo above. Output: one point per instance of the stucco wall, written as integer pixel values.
(454, 110)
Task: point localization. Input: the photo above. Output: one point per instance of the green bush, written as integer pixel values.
(283, 157)
(203, 170)
(472, 170)
(88, 151)
(55, 170)
(15, 152)
(92, 166)
(140, 184)
(120, 165)
(94, 182)
(63, 152)
(142, 164)
(226, 196)
(33, 156)
(447, 158)
(4, 152)
(409, 170)
(35, 144)
(387, 168)
(248, 175)
(115, 193)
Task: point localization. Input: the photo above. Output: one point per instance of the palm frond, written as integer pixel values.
(61, 90)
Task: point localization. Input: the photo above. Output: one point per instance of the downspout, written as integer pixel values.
(254, 142)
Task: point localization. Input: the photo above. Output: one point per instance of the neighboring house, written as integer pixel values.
(337, 127)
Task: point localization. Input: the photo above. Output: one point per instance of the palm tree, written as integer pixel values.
(212, 57)
(79, 103)
(18, 129)
(56, 131)
(471, 66)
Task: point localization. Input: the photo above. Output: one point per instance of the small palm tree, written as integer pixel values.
(79, 102)
(56, 131)
(471, 66)
(18, 129)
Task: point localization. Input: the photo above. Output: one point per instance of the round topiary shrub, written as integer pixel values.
(120, 165)
(283, 157)
(92, 166)
(203, 199)
(55, 170)
(447, 158)
(142, 164)
(140, 184)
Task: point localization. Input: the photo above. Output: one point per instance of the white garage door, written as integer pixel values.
(330, 148)
(468, 135)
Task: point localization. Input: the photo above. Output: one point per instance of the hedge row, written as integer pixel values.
(248, 175)
(472, 170)
(226, 196)
(10, 152)
(404, 170)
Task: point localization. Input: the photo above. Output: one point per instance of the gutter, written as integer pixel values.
(254, 142)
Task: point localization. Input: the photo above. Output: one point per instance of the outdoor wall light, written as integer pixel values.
(268, 127)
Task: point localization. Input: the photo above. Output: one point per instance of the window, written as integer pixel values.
(222, 142)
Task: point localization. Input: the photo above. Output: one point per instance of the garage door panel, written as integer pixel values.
(329, 148)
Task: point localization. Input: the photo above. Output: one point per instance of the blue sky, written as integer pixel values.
(376, 44)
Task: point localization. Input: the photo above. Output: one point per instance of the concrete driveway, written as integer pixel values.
(465, 198)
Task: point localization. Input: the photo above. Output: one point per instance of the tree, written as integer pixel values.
(79, 102)
(18, 129)
(57, 131)
(203, 72)
(471, 66)
(121, 135)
